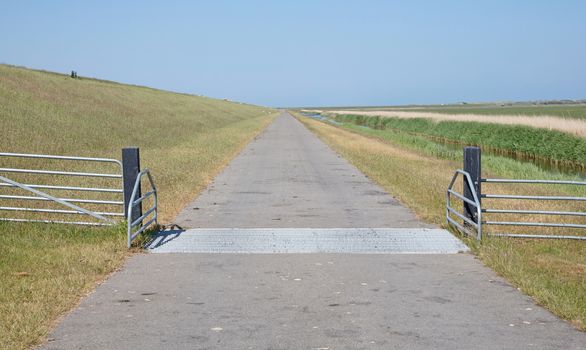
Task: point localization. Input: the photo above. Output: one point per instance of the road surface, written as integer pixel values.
(287, 178)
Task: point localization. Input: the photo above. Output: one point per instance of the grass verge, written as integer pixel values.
(552, 272)
(45, 270)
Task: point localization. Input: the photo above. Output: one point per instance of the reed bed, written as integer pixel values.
(571, 126)
(523, 141)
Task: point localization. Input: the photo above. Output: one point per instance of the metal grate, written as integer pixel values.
(308, 240)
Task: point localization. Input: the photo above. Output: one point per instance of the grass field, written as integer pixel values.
(550, 145)
(185, 140)
(552, 272)
(577, 111)
(571, 126)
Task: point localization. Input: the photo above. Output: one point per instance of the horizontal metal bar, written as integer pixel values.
(56, 211)
(467, 200)
(70, 200)
(538, 212)
(552, 198)
(536, 236)
(461, 228)
(540, 224)
(48, 197)
(144, 227)
(69, 188)
(143, 216)
(59, 222)
(549, 182)
(145, 196)
(451, 210)
(55, 172)
(46, 156)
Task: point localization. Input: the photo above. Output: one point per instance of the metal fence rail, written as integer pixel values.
(570, 225)
(468, 223)
(136, 225)
(102, 215)
(475, 200)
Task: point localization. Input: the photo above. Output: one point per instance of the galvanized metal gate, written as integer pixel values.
(77, 187)
(524, 212)
(58, 181)
(137, 225)
(470, 217)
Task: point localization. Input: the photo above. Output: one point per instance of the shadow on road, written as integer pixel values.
(163, 237)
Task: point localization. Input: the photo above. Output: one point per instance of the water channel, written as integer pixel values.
(548, 165)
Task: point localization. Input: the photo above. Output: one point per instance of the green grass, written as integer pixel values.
(185, 140)
(502, 165)
(521, 140)
(550, 271)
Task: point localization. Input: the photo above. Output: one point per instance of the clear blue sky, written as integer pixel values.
(304, 53)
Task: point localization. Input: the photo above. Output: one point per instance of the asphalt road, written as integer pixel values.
(310, 301)
(288, 178)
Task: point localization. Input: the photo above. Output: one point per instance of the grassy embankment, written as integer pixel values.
(185, 140)
(550, 271)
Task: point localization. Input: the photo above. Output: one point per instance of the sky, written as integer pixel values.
(309, 52)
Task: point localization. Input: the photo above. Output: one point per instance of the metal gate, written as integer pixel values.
(24, 195)
(89, 190)
(469, 214)
(528, 213)
(137, 225)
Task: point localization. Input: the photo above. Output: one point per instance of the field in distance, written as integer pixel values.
(565, 109)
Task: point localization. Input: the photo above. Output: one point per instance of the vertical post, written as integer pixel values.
(130, 170)
(472, 166)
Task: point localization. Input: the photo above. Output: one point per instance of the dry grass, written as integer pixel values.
(185, 140)
(550, 271)
(45, 270)
(575, 127)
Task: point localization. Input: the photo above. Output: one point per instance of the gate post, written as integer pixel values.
(472, 165)
(130, 170)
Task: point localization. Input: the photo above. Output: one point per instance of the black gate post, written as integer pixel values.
(472, 165)
(130, 170)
